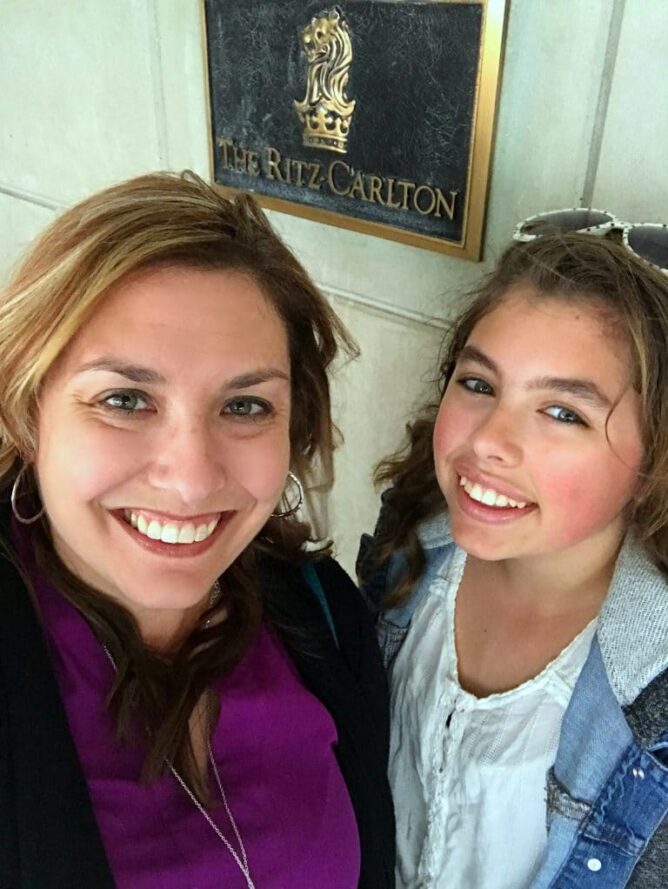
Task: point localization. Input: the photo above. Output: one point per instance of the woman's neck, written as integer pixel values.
(165, 630)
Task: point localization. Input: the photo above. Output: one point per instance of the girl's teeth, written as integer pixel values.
(488, 496)
(171, 532)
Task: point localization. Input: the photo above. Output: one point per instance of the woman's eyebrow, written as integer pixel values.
(262, 375)
(138, 374)
(133, 372)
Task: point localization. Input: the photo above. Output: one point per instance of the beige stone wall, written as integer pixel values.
(92, 92)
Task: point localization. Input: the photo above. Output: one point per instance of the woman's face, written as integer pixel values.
(530, 454)
(163, 442)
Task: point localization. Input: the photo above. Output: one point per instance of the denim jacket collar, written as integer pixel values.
(636, 608)
(633, 625)
(435, 532)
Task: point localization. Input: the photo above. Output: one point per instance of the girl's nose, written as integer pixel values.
(497, 438)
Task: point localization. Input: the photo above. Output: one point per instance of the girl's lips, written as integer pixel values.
(490, 514)
(173, 550)
(490, 483)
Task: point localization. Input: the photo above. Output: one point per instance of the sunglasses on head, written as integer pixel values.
(648, 240)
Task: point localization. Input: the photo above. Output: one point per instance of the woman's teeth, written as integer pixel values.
(488, 496)
(170, 532)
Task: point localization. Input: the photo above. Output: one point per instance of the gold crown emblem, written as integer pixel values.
(326, 111)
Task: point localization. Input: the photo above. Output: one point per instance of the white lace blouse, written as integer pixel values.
(469, 774)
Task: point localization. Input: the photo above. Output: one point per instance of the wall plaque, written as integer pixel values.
(375, 115)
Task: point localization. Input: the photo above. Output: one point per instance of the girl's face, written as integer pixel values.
(163, 441)
(528, 455)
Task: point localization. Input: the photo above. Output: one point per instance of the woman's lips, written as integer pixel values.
(173, 550)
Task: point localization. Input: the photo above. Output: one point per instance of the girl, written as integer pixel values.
(520, 561)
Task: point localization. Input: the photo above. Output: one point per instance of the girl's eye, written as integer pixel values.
(247, 407)
(476, 385)
(564, 415)
(126, 402)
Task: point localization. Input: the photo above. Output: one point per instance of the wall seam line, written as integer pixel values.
(157, 74)
(370, 302)
(30, 197)
(601, 112)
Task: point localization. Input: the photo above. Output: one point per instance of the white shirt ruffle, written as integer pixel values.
(469, 774)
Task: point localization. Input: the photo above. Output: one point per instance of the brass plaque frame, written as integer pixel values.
(488, 79)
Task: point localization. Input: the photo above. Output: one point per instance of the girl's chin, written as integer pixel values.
(477, 543)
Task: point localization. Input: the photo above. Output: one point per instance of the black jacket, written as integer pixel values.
(48, 835)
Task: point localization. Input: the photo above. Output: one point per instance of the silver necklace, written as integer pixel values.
(242, 860)
(242, 863)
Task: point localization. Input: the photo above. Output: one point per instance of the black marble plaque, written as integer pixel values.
(400, 158)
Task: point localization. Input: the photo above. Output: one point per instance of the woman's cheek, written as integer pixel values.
(261, 464)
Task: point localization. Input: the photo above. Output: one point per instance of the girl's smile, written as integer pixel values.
(537, 443)
(484, 502)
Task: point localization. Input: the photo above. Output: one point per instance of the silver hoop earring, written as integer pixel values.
(300, 499)
(15, 496)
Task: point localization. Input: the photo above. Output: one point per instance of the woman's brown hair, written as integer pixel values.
(163, 219)
(633, 296)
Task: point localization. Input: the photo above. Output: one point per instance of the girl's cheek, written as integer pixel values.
(582, 496)
(450, 429)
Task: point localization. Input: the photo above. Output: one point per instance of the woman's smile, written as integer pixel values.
(171, 538)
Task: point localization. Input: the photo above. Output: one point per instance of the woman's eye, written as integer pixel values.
(564, 415)
(247, 407)
(476, 385)
(126, 402)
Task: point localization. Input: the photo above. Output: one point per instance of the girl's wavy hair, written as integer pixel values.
(156, 220)
(575, 268)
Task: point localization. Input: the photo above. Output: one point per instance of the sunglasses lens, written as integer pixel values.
(564, 221)
(650, 242)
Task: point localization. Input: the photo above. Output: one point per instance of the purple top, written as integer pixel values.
(273, 746)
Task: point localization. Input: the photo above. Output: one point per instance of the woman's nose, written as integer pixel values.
(189, 464)
(497, 437)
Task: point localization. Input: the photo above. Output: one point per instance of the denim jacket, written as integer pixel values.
(607, 792)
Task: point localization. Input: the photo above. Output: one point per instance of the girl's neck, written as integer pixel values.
(554, 583)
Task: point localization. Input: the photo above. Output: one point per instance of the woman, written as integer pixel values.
(188, 697)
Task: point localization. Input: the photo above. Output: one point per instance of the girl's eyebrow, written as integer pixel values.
(470, 353)
(138, 374)
(581, 388)
(585, 390)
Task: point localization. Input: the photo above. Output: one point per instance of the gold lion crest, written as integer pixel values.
(325, 111)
